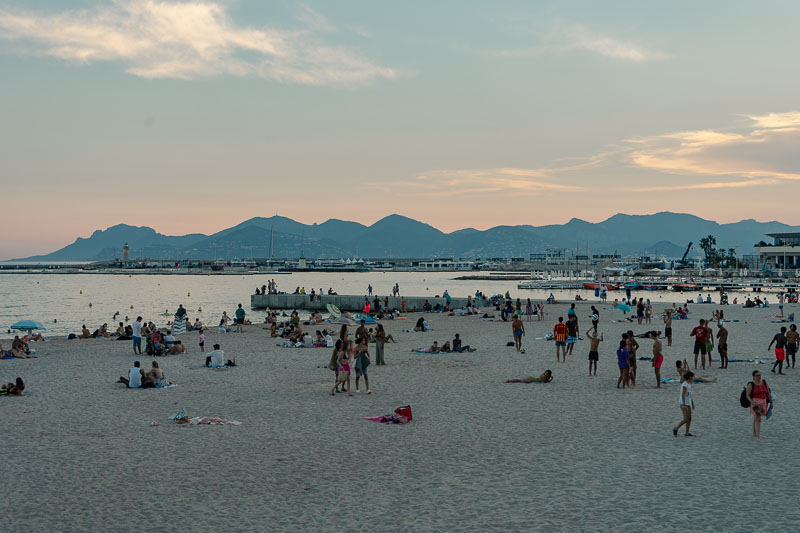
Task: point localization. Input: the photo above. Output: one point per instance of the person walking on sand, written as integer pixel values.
(572, 333)
(622, 362)
(700, 335)
(668, 326)
(759, 395)
(240, 319)
(560, 334)
(791, 344)
(780, 352)
(658, 357)
(518, 331)
(594, 346)
(686, 403)
(722, 344)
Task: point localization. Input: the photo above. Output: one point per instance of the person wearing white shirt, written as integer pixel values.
(137, 336)
(216, 357)
(329, 341)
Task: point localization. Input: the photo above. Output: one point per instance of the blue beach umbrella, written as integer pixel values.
(624, 308)
(27, 325)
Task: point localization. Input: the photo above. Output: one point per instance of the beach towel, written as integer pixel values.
(179, 326)
(677, 380)
(212, 421)
(219, 367)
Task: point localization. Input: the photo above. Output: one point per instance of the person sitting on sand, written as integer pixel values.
(85, 333)
(120, 330)
(459, 347)
(135, 377)
(216, 357)
(683, 368)
(422, 325)
(20, 349)
(546, 377)
(197, 324)
(13, 389)
(153, 377)
(178, 347)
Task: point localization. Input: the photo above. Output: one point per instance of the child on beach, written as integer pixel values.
(202, 340)
(594, 341)
(686, 403)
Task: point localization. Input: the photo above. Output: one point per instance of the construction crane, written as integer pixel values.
(682, 261)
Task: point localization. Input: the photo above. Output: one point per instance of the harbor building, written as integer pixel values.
(782, 254)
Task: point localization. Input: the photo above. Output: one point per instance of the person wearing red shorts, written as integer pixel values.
(658, 357)
(779, 340)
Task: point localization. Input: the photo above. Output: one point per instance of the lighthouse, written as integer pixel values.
(126, 252)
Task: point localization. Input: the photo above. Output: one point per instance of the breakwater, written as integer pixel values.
(345, 302)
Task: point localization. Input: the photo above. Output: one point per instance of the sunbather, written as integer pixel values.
(20, 349)
(13, 389)
(546, 377)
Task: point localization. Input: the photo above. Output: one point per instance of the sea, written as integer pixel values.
(64, 302)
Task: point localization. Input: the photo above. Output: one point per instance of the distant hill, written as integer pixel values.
(660, 234)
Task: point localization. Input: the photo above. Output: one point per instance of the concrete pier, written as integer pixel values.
(344, 302)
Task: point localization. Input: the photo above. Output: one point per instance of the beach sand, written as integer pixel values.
(85, 454)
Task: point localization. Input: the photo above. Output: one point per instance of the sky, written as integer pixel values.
(194, 115)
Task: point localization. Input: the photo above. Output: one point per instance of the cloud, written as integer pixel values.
(764, 152)
(189, 40)
(519, 181)
(575, 37)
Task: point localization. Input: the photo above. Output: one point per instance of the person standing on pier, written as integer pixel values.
(369, 289)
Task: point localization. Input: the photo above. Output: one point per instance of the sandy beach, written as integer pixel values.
(83, 453)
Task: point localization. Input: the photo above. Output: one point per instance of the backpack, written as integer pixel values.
(743, 397)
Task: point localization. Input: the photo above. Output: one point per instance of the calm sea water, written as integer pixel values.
(91, 299)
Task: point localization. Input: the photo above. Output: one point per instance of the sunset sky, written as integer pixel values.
(192, 116)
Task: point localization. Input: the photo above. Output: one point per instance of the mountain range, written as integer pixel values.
(397, 236)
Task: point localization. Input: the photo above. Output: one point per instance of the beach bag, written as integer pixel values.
(404, 411)
(743, 397)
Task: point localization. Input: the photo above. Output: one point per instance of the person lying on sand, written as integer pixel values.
(683, 368)
(13, 389)
(446, 347)
(433, 348)
(546, 377)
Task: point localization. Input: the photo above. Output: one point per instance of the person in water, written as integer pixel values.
(545, 377)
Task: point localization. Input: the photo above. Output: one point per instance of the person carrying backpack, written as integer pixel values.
(759, 396)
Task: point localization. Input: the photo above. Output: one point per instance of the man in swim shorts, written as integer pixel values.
(668, 326)
(700, 335)
(560, 335)
(791, 344)
(658, 357)
(780, 353)
(595, 341)
(722, 344)
(572, 333)
(518, 331)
